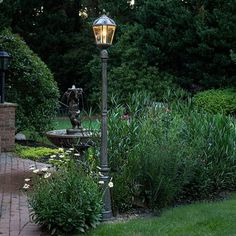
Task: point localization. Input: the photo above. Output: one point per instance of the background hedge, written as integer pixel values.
(215, 101)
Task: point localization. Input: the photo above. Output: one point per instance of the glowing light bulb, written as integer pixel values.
(104, 35)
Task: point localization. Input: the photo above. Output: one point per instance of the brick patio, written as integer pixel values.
(14, 210)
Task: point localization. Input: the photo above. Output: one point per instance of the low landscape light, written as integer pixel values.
(5, 59)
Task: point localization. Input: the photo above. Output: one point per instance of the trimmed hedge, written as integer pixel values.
(215, 101)
(30, 84)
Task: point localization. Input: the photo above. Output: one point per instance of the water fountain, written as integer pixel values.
(76, 136)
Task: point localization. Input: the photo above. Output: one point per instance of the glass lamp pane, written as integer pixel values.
(1, 64)
(104, 34)
(110, 33)
(98, 34)
(6, 63)
(4, 60)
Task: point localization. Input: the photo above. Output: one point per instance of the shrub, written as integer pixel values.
(31, 85)
(69, 201)
(215, 101)
(211, 141)
(125, 80)
(167, 154)
(123, 126)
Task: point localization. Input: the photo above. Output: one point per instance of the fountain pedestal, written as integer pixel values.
(81, 139)
(76, 137)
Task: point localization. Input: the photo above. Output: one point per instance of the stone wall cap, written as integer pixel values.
(8, 104)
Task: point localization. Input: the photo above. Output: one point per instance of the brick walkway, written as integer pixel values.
(14, 210)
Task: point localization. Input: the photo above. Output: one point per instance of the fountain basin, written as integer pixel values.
(72, 138)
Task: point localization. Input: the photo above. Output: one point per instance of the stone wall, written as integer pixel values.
(7, 126)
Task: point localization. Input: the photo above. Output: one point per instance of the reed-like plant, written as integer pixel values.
(162, 154)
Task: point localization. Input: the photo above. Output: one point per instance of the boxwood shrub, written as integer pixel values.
(30, 84)
(217, 100)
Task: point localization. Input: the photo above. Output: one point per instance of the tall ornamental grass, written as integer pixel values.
(168, 153)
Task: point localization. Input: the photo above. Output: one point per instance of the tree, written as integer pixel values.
(57, 32)
(191, 40)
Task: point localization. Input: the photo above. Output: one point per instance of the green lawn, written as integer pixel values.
(64, 123)
(218, 218)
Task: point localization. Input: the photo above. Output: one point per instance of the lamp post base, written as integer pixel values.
(107, 216)
(104, 178)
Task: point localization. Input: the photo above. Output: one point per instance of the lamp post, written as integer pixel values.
(4, 64)
(104, 30)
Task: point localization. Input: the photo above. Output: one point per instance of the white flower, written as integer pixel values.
(68, 151)
(36, 171)
(26, 186)
(53, 156)
(77, 155)
(46, 175)
(60, 149)
(100, 173)
(98, 167)
(44, 169)
(71, 149)
(101, 182)
(61, 156)
(110, 184)
(27, 180)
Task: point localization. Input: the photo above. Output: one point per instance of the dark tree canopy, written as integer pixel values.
(192, 41)
(57, 33)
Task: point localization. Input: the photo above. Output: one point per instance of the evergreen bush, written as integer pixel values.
(30, 84)
(217, 100)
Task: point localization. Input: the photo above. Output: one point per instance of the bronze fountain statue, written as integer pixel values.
(76, 136)
(72, 97)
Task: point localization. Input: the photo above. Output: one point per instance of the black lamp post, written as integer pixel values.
(104, 30)
(4, 64)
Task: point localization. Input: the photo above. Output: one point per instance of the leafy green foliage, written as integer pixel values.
(129, 70)
(68, 202)
(184, 37)
(169, 43)
(54, 30)
(34, 153)
(158, 44)
(30, 85)
(166, 153)
(215, 101)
